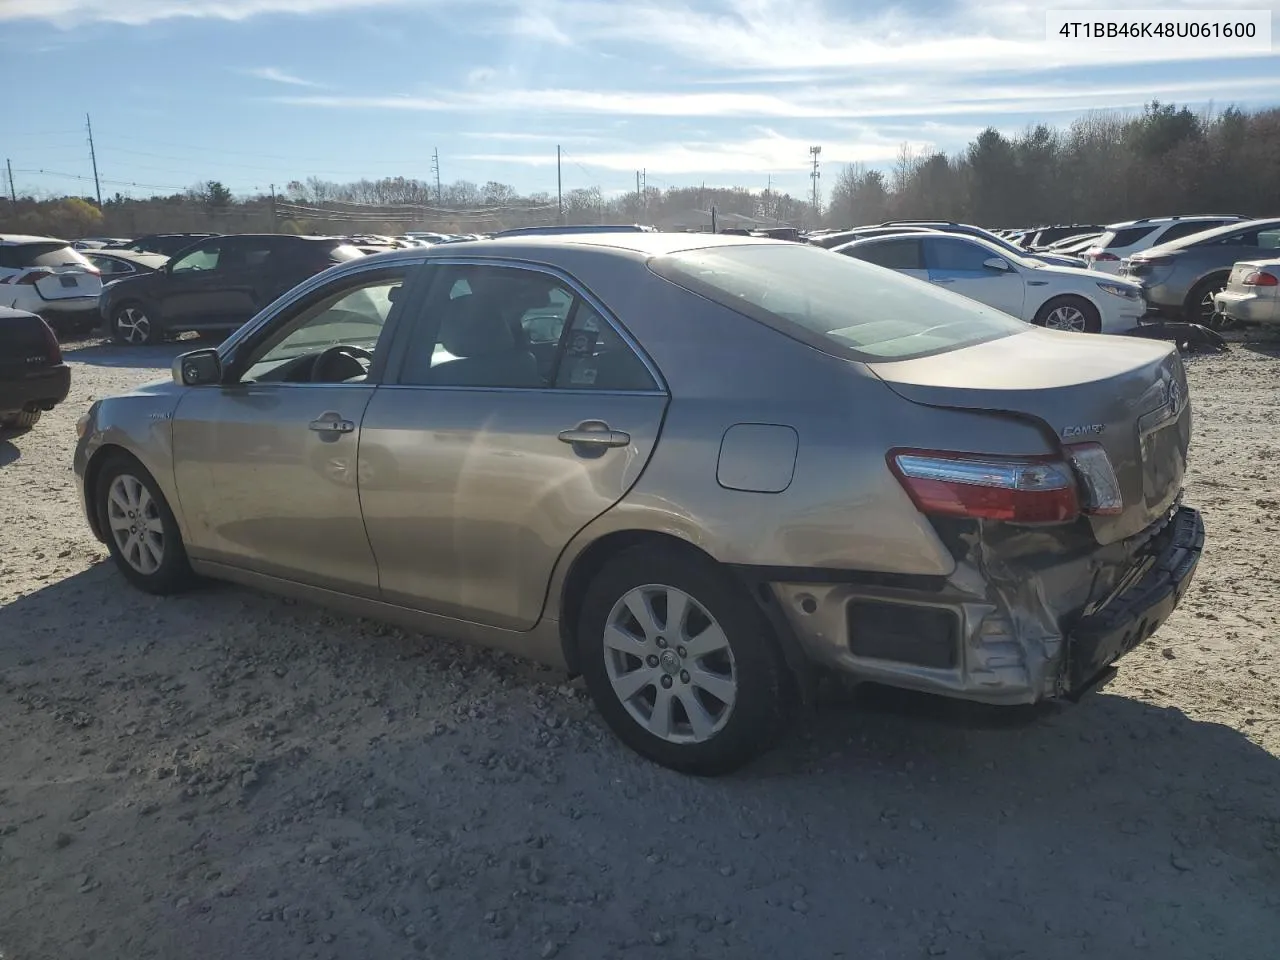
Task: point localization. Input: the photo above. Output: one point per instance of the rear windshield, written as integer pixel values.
(52, 254)
(839, 305)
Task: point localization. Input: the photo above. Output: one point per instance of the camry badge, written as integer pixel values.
(1083, 430)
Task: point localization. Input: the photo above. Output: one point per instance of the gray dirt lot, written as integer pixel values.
(232, 775)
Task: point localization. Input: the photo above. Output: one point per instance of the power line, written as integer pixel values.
(118, 183)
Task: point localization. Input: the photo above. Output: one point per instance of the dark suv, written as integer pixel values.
(167, 244)
(215, 285)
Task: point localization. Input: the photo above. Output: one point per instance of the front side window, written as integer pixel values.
(957, 256)
(836, 304)
(333, 338)
(205, 257)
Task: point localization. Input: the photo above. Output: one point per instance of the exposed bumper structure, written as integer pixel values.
(998, 632)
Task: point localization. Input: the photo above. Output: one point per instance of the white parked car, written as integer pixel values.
(1061, 298)
(45, 276)
(1122, 240)
(1252, 293)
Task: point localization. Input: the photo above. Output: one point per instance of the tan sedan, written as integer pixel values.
(694, 470)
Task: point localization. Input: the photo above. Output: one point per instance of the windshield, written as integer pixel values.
(839, 305)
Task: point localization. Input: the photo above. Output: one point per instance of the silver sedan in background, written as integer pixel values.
(694, 470)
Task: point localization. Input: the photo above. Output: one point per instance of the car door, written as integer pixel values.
(957, 264)
(478, 464)
(265, 463)
(190, 290)
(244, 265)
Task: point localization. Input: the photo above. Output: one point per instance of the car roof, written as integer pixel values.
(654, 244)
(1162, 221)
(1222, 231)
(16, 238)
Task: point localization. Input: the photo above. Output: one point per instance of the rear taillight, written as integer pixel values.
(29, 279)
(1014, 490)
(1106, 255)
(1100, 488)
(1260, 278)
(52, 349)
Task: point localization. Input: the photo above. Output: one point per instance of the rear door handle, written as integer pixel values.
(331, 423)
(595, 433)
(945, 280)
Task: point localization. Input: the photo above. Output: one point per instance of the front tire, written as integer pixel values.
(132, 324)
(1073, 314)
(142, 533)
(22, 421)
(680, 662)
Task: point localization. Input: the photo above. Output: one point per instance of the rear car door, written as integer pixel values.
(265, 463)
(960, 265)
(485, 453)
(902, 254)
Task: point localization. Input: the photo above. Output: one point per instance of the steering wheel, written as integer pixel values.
(320, 366)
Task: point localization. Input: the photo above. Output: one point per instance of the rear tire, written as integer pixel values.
(1074, 314)
(131, 324)
(1198, 307)
(702, 692)
(142, 532)
(22, 421)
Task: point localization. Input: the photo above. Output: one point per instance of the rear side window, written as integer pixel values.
(1180, 230)
(52, 254)
(839, 305)
(1125, 237)
(894, 254)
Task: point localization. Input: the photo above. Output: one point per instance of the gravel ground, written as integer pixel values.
(228, 774)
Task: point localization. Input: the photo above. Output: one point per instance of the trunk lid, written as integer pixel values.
(24, 344)
(1130, 396)
(1235, 283)
(69, 282)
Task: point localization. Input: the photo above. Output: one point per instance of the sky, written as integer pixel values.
(721, 92)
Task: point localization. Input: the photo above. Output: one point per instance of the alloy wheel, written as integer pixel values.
(670, 664)
(1066, 317)
(133, 326)
(136, 526)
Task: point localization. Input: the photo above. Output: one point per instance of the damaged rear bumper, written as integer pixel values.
(990, 632)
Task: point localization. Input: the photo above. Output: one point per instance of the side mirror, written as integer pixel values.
(198, 368)
(997, 263)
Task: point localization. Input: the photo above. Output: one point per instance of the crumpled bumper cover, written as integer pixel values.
(1100, 639)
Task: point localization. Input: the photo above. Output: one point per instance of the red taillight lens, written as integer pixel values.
(29, 279)
(53, 349)
(1260, 278)
(1101, 255)
(987, 488)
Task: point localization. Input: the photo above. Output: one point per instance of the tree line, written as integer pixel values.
(1101, 168)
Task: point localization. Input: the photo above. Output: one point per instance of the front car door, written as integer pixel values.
(265, 463)
(957, 264)
(190, 288)
(487, 450)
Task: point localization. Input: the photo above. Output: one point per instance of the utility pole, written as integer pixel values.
(274, 227)
(637, 193)
(559, 190)
(13, 193)
(814, 175)
(94, 158)
(644, 194)
(435, 168)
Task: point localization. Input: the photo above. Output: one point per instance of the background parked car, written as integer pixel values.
(1044, 237)
(118, 264)
(966, 229)
(1060, 298)
(45, 276)
(215, 285)
(165, 243)
(1121, 240)
(839, 237)
(1180, 279)
(1252, 294)
(33, 376)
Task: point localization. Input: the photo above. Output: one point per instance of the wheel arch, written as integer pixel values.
(1217, 273)
(1055, 298)
(93, 474)
(594, 556)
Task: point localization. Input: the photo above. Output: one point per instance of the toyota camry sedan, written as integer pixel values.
(697, 471)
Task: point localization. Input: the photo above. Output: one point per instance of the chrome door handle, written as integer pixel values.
(331, 423)
(595, 433)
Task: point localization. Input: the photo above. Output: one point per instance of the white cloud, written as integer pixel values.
(138, 12)
(276, 75)
(921, 98)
